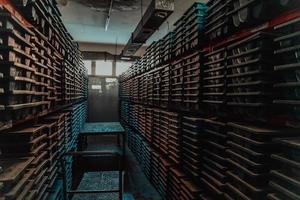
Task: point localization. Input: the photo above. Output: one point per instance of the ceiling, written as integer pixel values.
(85, 19)
(118, 5)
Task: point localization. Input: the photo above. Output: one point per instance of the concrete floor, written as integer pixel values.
(137, 182)
(98, 181)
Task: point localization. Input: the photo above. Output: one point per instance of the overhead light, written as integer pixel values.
(107, 23)
(108, 15)
(125, 58)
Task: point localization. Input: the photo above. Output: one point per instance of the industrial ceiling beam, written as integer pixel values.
(90, 55)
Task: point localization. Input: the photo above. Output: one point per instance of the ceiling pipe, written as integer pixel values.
(157, 12)
(108, 16)
(90, 55)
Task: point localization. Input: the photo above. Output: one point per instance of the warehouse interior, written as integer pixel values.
(149, 100)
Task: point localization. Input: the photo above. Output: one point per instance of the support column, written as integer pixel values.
(93, 67)
(114, 67)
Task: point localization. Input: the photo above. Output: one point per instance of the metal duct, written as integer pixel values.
(90, 55)
(157, 12)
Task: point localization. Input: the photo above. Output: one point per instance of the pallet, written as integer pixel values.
(151, 56)
(178, 46)
(156, 87)
(15, 177)
(164, 168)
(56, 192)
(215, 166)
(163, 132)
(174, 137)
(141, 127)
(214, 79)
(195, 19)
(167, 46)
(286, 83)
(249, 77)
(175, 177)
(68, 83)
(149, 124)
(23, 142)
(217, 20)
(165, 86)
(284, 179)
(18, 91)
(10, 25)
(143, 88)
(191, 81)
(192, 140)
(135, 89)
(176, 82)
(246, 15)
(158, 53)
(189, 191)
(250, 166)
(156, 128)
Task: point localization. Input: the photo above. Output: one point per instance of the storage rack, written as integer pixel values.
(165, 85)
(178, 48)
(214, 79)
(18, 72)
(42, 143)
(174, 137)
(242, 15)
(143, 88)
(33, 72)
(175, 183)
(176, 83)
(226, 140)
(152, 48)
(284, 178)
(191, 81)
(249, 75)
(194, 23)
(192, 140)
(149, 125)
(12, 178)
(286, 83)
(141, 119)
(27, 142)
(55, 138)
(248, 173)
(42, 101)
(217, 20)
(159, 170)
(167, 46)
(215, 164)
(158, 53)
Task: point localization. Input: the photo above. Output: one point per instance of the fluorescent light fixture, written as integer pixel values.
(108, 16)
(125, 58)
(107, 23)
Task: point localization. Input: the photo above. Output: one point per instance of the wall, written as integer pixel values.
(103, 105)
